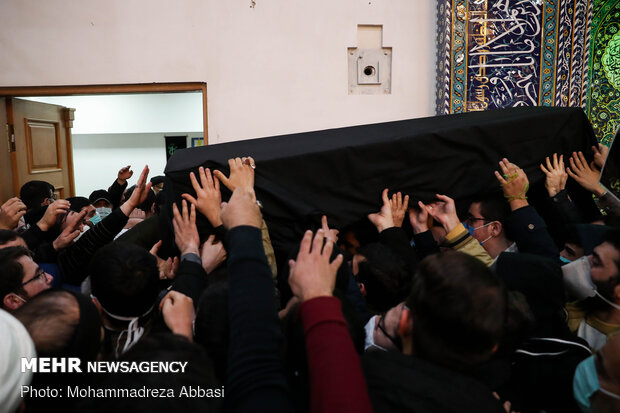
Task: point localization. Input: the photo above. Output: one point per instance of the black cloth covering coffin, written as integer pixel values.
(341, 172)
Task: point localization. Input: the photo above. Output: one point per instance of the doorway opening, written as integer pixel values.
(113, 126)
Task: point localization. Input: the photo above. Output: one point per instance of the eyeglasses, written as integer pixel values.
(395, 340)
(37, 275)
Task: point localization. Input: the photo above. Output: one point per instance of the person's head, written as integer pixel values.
(384, 330)
(35, 194)
(596, 383)
(148, 206)
(382, 276)
(124, 279)
(14, 345)
(604, 265)
(581, 239)
(124, 287)
(100, 199)
(539, 279)
(158, 183)
(486, 216)
(455, 313)
(20, 277)
(11, 239)
(78, 204)
(62, 324)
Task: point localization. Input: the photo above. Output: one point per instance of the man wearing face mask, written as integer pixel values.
(594, 281)
(495, 224)
(596, 384)
(100, 199)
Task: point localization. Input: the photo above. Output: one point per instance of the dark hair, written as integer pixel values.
(169, 347)
(7, 236)
(11, 271)
(493, 207)
(77, 203)
(384, 275)
(33, 193)
(50, 318)
(459, 308)
(124, 278)
(612, 237)
(145, 206)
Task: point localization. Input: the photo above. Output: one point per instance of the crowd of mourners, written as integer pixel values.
(499, 310)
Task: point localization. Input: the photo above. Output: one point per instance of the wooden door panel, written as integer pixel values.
(42, 149)
(43, 144)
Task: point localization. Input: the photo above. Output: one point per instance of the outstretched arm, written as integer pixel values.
(336, 380)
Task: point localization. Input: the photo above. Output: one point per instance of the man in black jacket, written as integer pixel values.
(451, 323)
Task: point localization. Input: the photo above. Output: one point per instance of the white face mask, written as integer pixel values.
(104, 212)
(578, 282)
(369, 343)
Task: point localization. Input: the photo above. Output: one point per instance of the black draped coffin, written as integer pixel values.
(341, 172)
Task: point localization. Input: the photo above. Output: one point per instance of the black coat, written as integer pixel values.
(401, 383)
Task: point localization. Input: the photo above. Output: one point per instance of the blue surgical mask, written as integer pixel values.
(585, 384)
(565, 260)
(472, 229)
(469, 228)
(95, 219)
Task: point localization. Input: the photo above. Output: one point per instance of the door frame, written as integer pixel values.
(108, 89)
(114, 89)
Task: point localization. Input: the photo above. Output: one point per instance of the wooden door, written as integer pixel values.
(39, 144)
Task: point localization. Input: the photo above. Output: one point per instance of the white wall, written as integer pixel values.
(97, 158)
(279, 67)
(143, 113)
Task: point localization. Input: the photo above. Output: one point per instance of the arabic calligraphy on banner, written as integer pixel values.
(505, 53)
(503, 60)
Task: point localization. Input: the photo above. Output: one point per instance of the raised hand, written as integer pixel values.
(208, 197)
(54, 209)
(312, 274)
(330, 234)
(241, 209)
(419, 218)
(383, 219)
(555, 173)
(212, 254)
(178, 312)
(241, 173)
(185, 231)
(11, 212)
(586, 175)
(399, 208)
(124, 174)
(444, 211)
(71, 231)
(139, 194)
(600, 154)
(514, 183)
(167, 268)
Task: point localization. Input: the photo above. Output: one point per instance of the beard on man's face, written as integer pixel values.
(604, 288)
